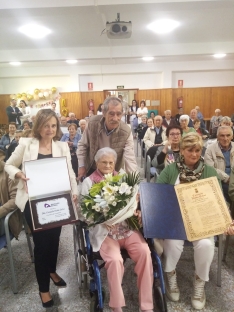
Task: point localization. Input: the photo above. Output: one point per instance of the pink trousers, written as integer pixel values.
(139, 252)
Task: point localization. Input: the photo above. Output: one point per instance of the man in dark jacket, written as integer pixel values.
(14, 113)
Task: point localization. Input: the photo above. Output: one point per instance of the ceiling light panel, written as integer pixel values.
(219, 55)
(35, 31)
(15, 63)
(163, 26)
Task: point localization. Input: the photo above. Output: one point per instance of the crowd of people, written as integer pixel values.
(105, 145)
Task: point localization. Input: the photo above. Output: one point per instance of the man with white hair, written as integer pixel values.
(220, 155)
(155, 135)
(215, 120)
(168, 120)
(73, 119)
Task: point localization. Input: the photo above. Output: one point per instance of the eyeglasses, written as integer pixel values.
(175, 134)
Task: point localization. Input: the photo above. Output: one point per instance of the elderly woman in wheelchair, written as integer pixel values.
(110, 240)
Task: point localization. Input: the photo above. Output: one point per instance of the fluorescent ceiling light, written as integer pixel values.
(163, 26)
(35, 31)
(147, 58)
(15, 63)
(219, 55)
(71, 61)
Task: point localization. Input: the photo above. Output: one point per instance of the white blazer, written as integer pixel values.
(28, 150)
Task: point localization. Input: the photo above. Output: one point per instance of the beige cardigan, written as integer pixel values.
(28, 150)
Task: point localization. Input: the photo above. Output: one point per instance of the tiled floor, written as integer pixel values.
(69, 299)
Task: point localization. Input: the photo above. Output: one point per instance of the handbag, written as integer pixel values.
(135, 122)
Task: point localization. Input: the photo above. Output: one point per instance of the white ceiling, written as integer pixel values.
(207, 27)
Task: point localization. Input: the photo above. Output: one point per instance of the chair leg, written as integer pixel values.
(28, 238)
(220, 248)
(9, 249)
(226, 247)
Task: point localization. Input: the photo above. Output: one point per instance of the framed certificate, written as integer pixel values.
(203, 208)
(49, 191)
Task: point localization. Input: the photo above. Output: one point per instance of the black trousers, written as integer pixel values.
(46, 244)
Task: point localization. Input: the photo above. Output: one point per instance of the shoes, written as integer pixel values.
(198, 299)
(172, 290)
(60, 283)
(47, 304)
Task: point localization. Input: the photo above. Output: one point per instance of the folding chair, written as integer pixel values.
(5, 241)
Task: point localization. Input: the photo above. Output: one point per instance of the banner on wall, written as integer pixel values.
(90, 86)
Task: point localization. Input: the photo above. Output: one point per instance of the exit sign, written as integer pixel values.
(120, 87)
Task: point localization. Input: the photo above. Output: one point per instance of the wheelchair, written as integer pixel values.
(88, 270)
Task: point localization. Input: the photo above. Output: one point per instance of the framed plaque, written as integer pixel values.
(49, 191)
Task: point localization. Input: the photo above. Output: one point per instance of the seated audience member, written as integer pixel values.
(141, 111)
(220, 156)
(215, 120)
(14, 143)
(199, 114)
(231, 187)
(152, 115)
(177, 116)
(193, 116)
(155, 135)
(63, 125)
(232, 118)
(168, 153)
(133, 117)
(189, 167)
(6, 139)
(140, 127)
(149, 124)
(25, 125)
(168, 120)
(83, 124)
(53, 107)
(184, 120)
(109, 242)
(32, 121)
(14, 113)
(199, 130)
(8, 189)
(99, 110)
(27, 133)
(25, 110)
(72, 138)
(72, 119)
(225, 121)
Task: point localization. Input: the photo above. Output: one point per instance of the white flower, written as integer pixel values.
(97, 209)
(124, 188)
(108, 177)
(116, 188)
(114, 203)
(128, 192)
(112, 198)
(103, 203)
(108, 189)
(95, 206)
(106, 209)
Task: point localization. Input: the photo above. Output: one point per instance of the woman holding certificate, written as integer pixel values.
(188, 167)
(44, 144)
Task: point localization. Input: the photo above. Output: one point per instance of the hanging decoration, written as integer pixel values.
(64, 110)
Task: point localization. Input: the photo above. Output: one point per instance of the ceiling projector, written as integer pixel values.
(118, 29)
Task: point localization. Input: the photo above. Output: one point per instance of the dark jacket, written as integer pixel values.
(13, 117)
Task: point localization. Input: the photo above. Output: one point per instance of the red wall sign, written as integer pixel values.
(180, 83)
(90, 86)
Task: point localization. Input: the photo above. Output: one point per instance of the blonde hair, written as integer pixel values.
(191, 140)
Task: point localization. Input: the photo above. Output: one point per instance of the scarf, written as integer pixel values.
(97, 176)
(188, 175)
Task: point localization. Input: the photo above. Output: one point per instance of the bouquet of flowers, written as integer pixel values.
(112, 200)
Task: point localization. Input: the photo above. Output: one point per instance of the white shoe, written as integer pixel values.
(198, 298)
(172, 290)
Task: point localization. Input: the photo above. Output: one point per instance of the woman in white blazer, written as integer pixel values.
(44, 144)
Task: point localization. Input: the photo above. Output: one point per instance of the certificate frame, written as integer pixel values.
(62, 211)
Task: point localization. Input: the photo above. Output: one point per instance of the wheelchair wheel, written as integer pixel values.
(80, 254)
(94, 304)
(159, 298)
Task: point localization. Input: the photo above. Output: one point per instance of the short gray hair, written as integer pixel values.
(113, 100)
(182, 117)
(167, 111)
(224, 127)
(71, 114)
(105, 151)
(82, 120)
(225, 119)
(217, 110)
